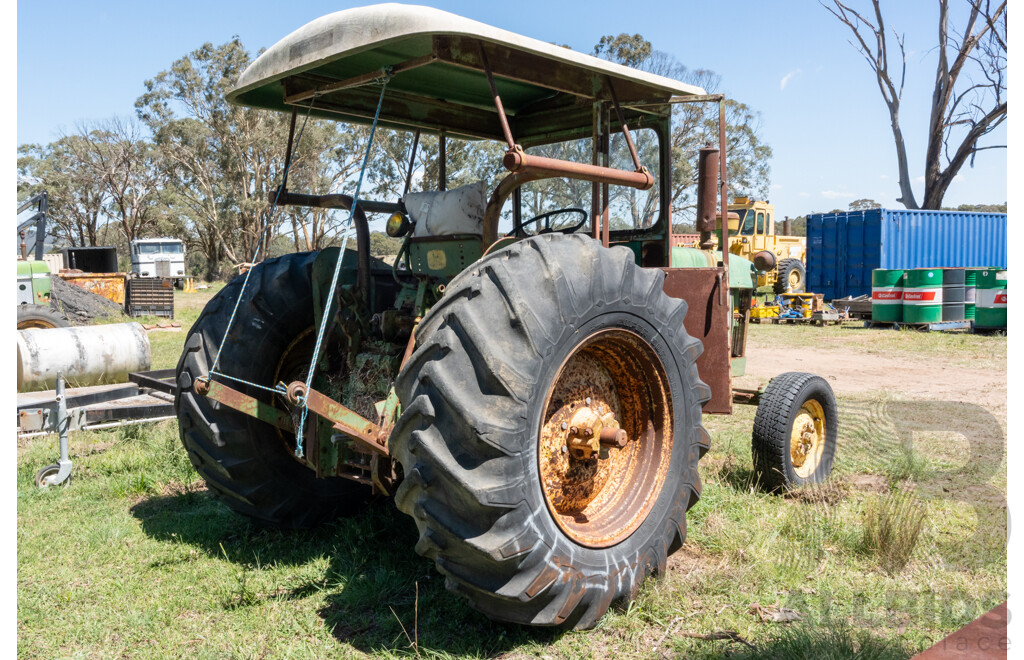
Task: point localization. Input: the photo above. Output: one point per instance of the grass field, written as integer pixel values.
(136, 559)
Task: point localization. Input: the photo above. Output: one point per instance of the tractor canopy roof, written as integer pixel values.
(438, 82)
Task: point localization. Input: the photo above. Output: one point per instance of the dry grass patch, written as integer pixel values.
(892, 527)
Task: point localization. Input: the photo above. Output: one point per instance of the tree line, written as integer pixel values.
(189, 165)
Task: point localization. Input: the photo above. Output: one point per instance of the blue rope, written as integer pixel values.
(277, 389)
(337, 270)
(256, 254)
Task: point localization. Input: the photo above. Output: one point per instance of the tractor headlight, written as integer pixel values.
(397, 226)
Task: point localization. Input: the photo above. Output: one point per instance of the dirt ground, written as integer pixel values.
(854, 369)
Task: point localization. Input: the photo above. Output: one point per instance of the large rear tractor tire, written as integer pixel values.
(792, 276)
(247, 462)
(40, 316)
(531, 524)
(795, 432)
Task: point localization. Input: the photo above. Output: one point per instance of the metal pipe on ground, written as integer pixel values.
(86, 355)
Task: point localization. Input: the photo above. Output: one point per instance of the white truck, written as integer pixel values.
(159, 257)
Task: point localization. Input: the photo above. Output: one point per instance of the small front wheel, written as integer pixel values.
(795, 431)
(46, 475)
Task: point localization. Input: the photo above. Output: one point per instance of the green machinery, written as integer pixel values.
(527, 379)
(33, 274)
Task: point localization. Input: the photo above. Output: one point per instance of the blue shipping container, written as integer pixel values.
(843, 248)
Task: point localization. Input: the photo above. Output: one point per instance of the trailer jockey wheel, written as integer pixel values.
(795, 431)
(45, 476)
(551, 430)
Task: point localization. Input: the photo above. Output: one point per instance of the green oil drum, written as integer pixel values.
(887, 295)
(991, 299)
(922, 295)
(970, 289)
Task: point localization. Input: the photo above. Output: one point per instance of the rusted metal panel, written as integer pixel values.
(707, 318)
(367, 434)
(108, 285)
(244, 403)
(984, 638)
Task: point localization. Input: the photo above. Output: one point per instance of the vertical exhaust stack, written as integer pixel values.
(787, 227)
(707, 191)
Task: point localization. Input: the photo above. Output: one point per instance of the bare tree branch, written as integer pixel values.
(878, 60)
(960, 114)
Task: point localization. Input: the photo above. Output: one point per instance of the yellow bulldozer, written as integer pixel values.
(779, 258)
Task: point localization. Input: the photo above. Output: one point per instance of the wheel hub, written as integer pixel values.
(589, 432)
(605, 438)
(807, 438)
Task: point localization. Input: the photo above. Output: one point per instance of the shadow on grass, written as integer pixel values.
(380, 595)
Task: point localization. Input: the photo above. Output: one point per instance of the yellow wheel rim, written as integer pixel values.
(34, 323)
(807, 439)
(598, 501)
(794, 278)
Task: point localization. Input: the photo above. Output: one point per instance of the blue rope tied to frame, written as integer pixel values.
(248, 273)
(300, 432)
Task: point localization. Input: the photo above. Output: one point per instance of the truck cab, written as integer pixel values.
(159, 257)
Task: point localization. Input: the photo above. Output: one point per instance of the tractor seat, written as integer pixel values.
(458, 211)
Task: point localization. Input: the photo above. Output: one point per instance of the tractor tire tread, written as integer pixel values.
(244, 461)
(463, 439)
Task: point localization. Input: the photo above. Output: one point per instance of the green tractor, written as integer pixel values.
(34, 309)
(527, 379)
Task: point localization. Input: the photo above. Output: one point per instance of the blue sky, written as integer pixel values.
(820, 108)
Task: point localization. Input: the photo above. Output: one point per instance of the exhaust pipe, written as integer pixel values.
(707, 191)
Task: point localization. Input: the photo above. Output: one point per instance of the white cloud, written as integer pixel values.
(803, 194)
(786, 78)
(919, 179)
(884, 176)
(776, 186)
(835, 194)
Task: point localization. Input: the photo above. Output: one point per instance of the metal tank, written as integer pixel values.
(922, 295)
(85, 355)
(990, 312)
(887, 295)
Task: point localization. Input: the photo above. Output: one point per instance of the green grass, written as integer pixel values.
(958, 348)
(892, 527)
(166, 345)
(135, 558)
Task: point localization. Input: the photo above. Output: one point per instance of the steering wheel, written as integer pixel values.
(547, 225)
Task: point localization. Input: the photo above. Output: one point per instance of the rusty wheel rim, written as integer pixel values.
(602, 499)
(35, 324)
(807, 439)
